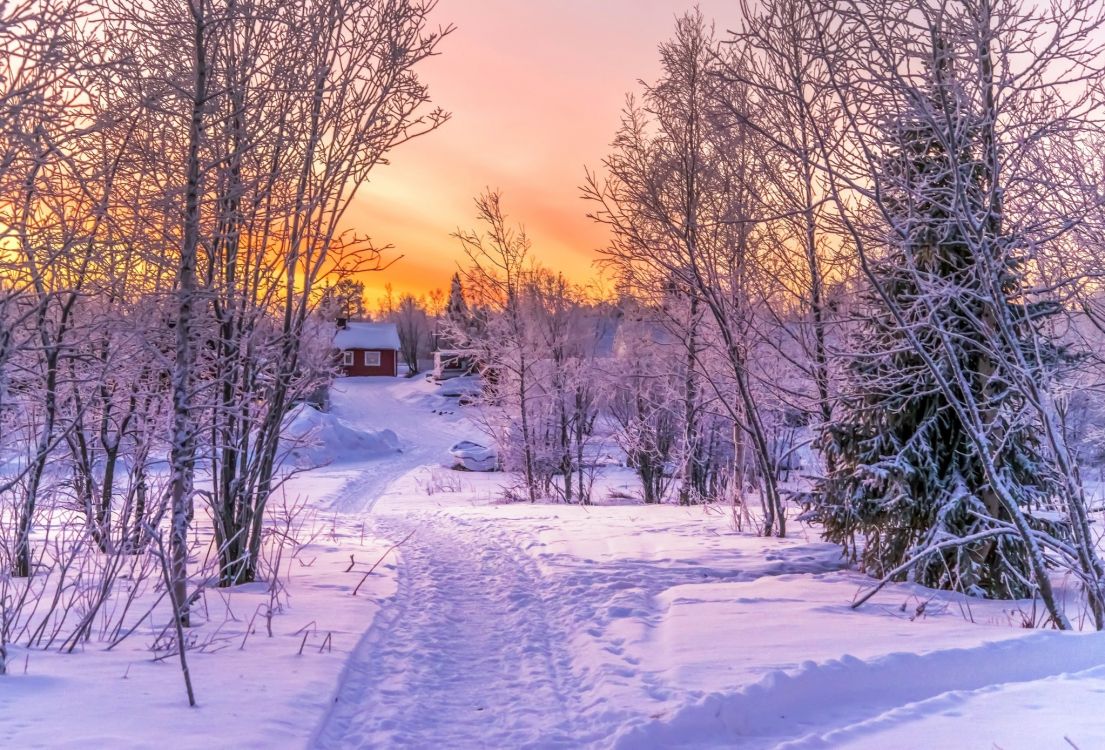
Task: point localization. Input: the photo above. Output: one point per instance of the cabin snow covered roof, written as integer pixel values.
(357, 335)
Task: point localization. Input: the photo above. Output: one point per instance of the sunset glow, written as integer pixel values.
(535, 89)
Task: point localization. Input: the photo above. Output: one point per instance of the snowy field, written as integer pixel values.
(547, 626)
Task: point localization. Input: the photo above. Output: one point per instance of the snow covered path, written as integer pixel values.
(464, 652)
(409, 408)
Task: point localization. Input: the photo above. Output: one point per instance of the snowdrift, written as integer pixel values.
(837, 702)
(465, 386)
(314, 438)
(470, 456)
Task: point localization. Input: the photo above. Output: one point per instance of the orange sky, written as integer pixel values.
(535, 88)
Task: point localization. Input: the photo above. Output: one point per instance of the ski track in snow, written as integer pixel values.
(463, 655)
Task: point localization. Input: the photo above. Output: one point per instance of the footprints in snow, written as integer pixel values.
(476, 648)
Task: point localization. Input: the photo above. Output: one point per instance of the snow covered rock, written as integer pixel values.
(314, 438)
(471, 456)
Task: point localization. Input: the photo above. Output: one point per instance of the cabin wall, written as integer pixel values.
(388, 367)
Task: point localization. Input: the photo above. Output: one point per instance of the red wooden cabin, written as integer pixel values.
(367, 348)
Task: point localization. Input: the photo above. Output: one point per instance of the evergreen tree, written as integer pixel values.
(906, 475)
(456, 308)
(345, 299)
(458, 319)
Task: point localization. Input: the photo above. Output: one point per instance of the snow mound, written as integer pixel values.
(843, 699)
(469, 456)
(314, 438)
(465, 386)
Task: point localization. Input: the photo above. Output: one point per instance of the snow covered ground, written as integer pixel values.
(254, 689)
(514, 625)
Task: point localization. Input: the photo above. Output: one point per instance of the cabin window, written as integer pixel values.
(347, 358)
(372, 359)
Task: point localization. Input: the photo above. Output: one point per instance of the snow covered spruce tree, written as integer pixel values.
(906, 475)
(456, 319)
(951, 463)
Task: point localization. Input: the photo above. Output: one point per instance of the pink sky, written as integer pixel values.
(535, 88)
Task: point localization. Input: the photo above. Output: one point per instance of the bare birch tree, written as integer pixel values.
(679, 201)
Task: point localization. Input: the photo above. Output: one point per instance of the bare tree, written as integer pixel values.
(311, 107)
(413, 324)
(56, 184)
(643, 378)
(499, 260)
(797, 121)
(679, 201)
